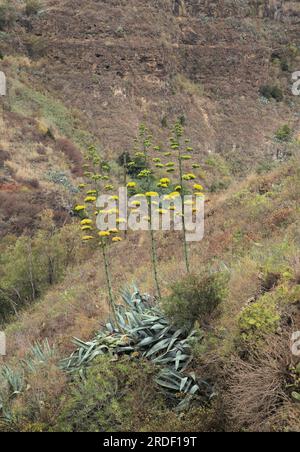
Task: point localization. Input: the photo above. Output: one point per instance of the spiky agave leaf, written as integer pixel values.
(40, 353)
(14, 380)
(142, 327)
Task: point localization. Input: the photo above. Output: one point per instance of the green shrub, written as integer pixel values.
(122, 396)
(118, 397)
(36, 46)
(7, 15)
(284, 134)
(259, 319)
(195, 298)
(220, 185)
(272, 92)
(32, 7)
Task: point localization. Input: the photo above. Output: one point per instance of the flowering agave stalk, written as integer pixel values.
(96, 173)
(149, 196)
(182, 188)
(103, 237)
(146, 174)
(175, 145)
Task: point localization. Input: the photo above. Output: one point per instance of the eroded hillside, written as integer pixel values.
(91, 72)
(123, 62)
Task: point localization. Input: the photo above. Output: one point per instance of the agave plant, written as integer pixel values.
(143, 330)
(39, 354)
(13, 379)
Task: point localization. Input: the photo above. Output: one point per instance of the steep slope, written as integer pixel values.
(123, 62)
(252, 232)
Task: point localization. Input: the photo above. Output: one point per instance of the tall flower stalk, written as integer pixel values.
(146, 174)
(103, 245)
(175, 144)
(97, 181)
(183, 180)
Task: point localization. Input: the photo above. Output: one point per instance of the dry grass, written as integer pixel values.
(256, 398)
(72, 153)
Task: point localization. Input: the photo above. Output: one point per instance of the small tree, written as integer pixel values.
(195, 298)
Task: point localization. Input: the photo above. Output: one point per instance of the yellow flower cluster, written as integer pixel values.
(79, 208)
(86, 238)
(164, 182)
(90, 199)
(121, 220)
(117, 239)
(135, 203)
(104, 234)
(172, 196)
(85, 222)
(189, 176)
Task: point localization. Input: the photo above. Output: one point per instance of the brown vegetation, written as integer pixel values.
(72, 153)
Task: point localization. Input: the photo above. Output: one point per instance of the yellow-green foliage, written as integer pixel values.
(287, 294)
(188, 86)
(109, 398)
(123, 397)
(276, 257)
(259, 319)
(258, 204)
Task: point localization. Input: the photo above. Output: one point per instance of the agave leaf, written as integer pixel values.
(166, 384)
(194, 389)
(183, 383)
(147, 341)
(141, 326)
(161, 345)
(177, 361)
(175, 337)
(296, 396)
